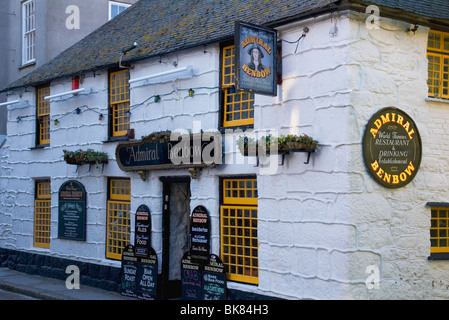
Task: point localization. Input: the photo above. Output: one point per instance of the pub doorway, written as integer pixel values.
(175, 232)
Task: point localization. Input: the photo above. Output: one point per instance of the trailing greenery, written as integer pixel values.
(81, 157)
(291, 142)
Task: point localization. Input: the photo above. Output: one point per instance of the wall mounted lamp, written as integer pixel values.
(414, 29)
(71, 92)
(166, 75)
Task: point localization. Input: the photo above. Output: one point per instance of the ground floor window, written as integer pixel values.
(42, 214)
(118, 217)
(439, 230)
(239, 242)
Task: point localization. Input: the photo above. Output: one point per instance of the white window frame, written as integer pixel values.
(28, 32)
(116, 3)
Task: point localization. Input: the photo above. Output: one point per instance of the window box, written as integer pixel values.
(282, 145)
(81, 157)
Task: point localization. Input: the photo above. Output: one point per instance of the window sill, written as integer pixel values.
(116, 139)
(439, 256)
(438, 100)
(28, 64)
(233, 128)
(39, 147)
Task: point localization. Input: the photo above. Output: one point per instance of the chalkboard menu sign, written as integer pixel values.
(72, 211)
(191, 276)
(143, 231)
(214, 279)
(199, 234)
(147, 275)
(129, 272)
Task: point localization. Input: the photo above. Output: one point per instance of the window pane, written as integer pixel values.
(438, 67)
(239, 244)
(118, 217)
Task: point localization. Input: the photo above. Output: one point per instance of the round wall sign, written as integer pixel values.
(392, 148)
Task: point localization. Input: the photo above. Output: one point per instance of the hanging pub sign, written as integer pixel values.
(129, 272)
(214, 279)
(199, 234)
(167, 150)
(142, 241)
(72, 211)
(255, 53)
(191, 276)
(392, 148)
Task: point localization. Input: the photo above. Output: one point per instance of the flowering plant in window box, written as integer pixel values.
(269, 144)
(300, 143)
(247, 146)
(80, 157)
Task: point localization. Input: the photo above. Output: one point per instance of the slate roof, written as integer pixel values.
(164, 26)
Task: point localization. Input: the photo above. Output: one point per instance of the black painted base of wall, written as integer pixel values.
(92, 275)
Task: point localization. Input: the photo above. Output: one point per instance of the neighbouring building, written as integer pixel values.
(33, 32)
(365, 216)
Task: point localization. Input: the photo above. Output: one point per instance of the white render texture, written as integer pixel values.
(321, 225)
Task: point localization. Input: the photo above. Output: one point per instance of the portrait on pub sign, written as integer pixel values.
(255, 52)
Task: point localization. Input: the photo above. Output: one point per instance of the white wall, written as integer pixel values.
(321, 224)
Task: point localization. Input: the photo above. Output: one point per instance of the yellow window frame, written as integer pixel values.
(43, 116)
(438, 64)
(238, 107)
(240, 191)
(118, 225)
(239, 243)
(119, 98)
(239, 227)
(42, 215)
(439, 230)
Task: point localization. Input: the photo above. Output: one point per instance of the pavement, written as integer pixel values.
(43, 288)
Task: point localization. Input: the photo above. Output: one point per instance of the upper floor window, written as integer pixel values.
(438, 70)
(28, 32)
(238, 107)
(119, 102)
(43, 116)
(115, 8)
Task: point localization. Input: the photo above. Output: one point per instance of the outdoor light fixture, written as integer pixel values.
(125, 51)
(16, 104)
(9, 103)
(414, 29)
(191, 92)
(100, 117)
(157, 98)
(56, 122)
(78, 110)
(128, 114)
(166, 75)
(72, 92)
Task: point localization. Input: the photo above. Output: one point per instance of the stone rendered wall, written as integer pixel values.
(320, 225)
(395, 224)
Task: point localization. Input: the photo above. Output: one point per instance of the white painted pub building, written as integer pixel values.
(368, 80)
